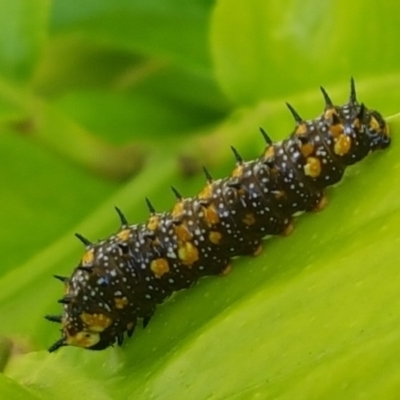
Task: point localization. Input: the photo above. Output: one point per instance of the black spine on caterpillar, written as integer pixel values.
(121, 279)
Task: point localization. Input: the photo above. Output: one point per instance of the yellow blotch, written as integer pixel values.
(178, 209)
(153, 223)
(160, 267)
(342, 145)
(336, 130)
(83, 339)
(182, 232)
(301, 130)
(237, 172)
(120, 302)
(226, 270)
(374, 124)
(357, 123)
(328, 114)
(215, 237)
(206, 193)
(96, 322)
(313, 167)
(210, 215)
(306, 149)
(124, 235)
(188, 253)
(249, 219)
(269, 152)
(88, 257)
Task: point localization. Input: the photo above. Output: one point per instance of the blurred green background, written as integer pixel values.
(103, 103)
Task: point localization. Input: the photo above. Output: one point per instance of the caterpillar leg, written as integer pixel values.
(288, 229)
(258, 251)
(227, 269)
(146, 320)
(322, 203)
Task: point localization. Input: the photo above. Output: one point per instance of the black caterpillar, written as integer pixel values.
(121, 279)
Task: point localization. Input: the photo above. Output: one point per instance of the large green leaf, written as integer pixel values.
(316, 315)
(43, 194)
(297, 319)
(263, 47)
(23, 32)
(135, 25)
(12, 390)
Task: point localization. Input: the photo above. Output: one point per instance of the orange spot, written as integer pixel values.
(159, 267)
(153, 223)
(238, 171)
(124, 235)
(342, 145)
(306, 149)
(313, 167)
(215, 237)
(269, 152)
(258, 251)
(374, 124)
(88, 257)
(120, 302)
(210, 215)
(96, 322)
(335, 127)
(336, 130)
(301, 129)
(178, 209)
(328, 114)
(182, 232)
(249, 219)
(188, 253)
(206, 193)
(226, 270)
(82, 339)
(357, 123)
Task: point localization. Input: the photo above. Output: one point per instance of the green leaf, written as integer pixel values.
(316, 314)
(293, 322)
(23, 30)
(143, 26)
(33, 192)
(262, 48)
(12, 390)
(128, 115)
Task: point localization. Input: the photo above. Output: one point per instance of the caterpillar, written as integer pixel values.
(122, 279)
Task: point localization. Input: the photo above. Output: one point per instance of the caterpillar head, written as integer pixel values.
(97, 311)
(355, 130)
(376, 130)
(370, 126)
